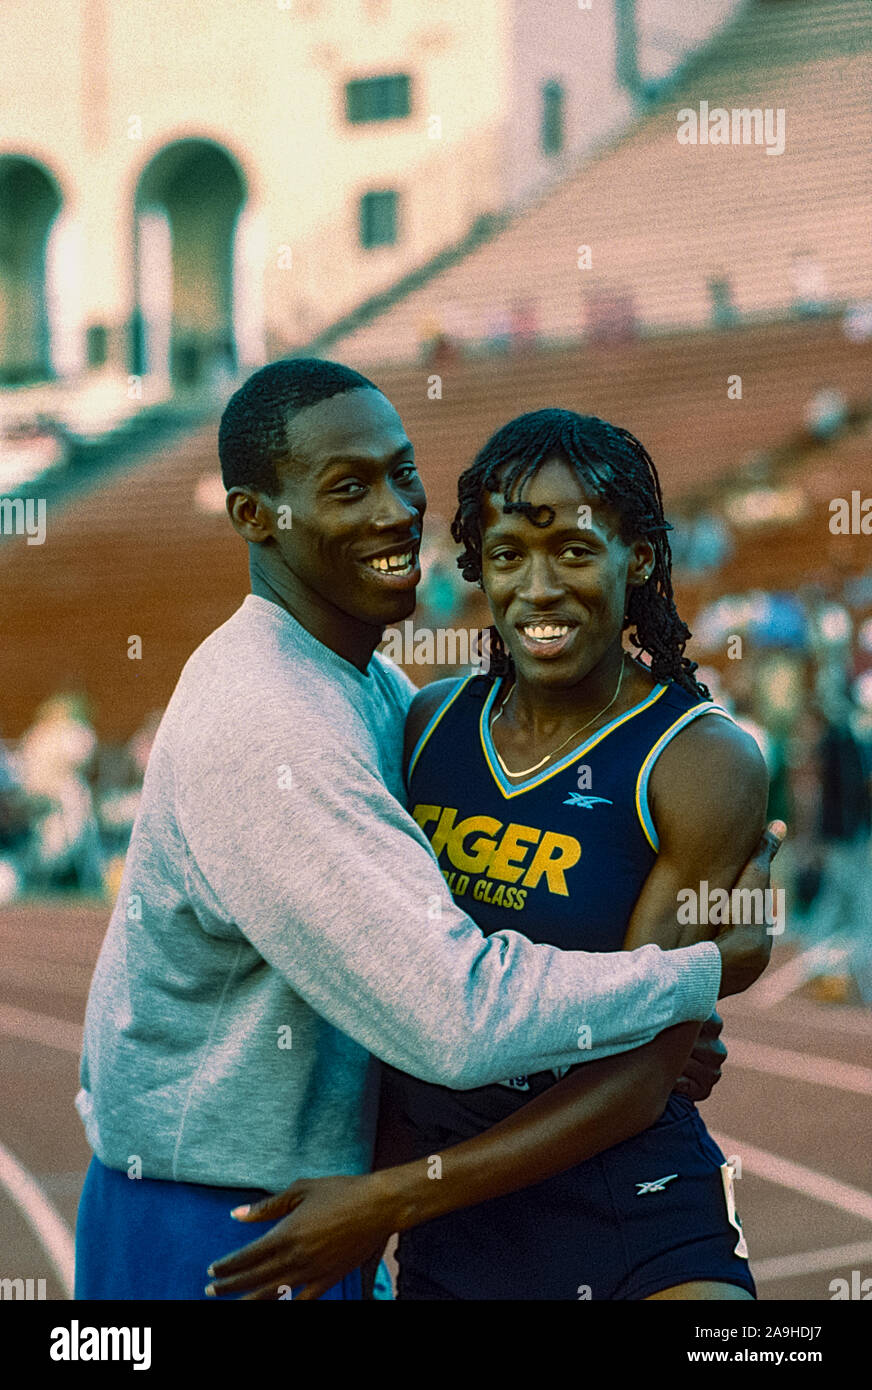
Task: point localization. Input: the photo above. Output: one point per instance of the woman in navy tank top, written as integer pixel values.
(572, 784)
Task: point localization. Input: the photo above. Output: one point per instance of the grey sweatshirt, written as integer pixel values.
(282, 918)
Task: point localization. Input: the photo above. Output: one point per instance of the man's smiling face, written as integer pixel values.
(357, 506)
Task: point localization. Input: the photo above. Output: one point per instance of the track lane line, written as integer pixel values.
(40, 1028)
(813, 1261)
(782, 1171)
(799, 1066)
(46, 1222)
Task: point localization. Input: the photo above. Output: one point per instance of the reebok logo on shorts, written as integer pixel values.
(656, 1186)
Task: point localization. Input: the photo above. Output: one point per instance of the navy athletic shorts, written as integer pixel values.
(143, 1238)
(652, 1212)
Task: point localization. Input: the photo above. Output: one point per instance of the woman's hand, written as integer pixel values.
(330, 1226)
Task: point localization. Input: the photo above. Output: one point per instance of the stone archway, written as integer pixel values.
(30, 200)
(188, 201)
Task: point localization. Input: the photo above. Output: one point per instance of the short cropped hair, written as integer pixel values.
(253, 434)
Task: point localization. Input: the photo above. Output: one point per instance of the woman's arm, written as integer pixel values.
(707, 793)
(334, 1225)
(708, 796)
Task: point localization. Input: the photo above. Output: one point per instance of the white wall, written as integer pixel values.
(557, 39)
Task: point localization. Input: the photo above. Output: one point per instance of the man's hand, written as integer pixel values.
(745, 950)
(702, 1070)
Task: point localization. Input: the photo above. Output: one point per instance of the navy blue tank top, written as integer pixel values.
(562, 855)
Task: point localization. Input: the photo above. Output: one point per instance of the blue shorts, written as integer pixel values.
(146, 1239)
(645, 1215)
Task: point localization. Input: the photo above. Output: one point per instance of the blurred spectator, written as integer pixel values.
(118, 772)
(843, 905)
(525, 324)
(858, 322)
(826, 412)
(115, 786)
(804, 839)
(724, 312)
(54, 754)
(810, 288)
(700, 543)
(15, 825)
(437, 346)
(498, 330)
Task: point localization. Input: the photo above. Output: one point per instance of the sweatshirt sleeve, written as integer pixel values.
(338, 889)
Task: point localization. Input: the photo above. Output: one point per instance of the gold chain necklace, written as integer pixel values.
(525, 772)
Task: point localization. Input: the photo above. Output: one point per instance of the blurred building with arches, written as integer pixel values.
(192, 188)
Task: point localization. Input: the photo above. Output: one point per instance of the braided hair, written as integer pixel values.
(613, 466)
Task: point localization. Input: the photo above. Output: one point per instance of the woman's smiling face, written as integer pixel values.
(558, 592)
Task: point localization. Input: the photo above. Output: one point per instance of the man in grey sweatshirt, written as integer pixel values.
(282, 921)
